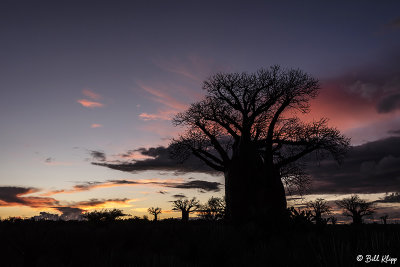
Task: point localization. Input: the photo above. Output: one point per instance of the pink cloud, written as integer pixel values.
(344, 108)
(160, 115)
(172, 105)
(193, 67)
(90, 104)
(96, 125)
(163, 98)
(91, 94)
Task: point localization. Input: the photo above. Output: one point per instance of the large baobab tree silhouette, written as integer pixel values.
(356, 208)
(318, 208)
(154, 211)
(247, 128)
(186, 206)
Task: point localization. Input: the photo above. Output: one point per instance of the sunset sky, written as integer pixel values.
(85, 82)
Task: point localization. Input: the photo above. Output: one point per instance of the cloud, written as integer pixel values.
(373, 167)
(89, 104)
(192, 67)
(390, 198)
(94, 202)
(364, 101)
(77, 208)
(163, 192)
(91, 94)
(199, 184)
(394, 132)
(93, 102)
(378, 84)
(394, 24)
(179, 196)
(205, 186)
(160, 115)
(52, 162)
(98, 155)
(135, 155)
(389, 103)
(171, 104)
(194, 184)
(68, 211)
(160, 161)
(96, 125)
(15, 196)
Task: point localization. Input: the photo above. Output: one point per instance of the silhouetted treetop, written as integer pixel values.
(154, 211)
(356, 208)
(250, 107)
(186, 206)
(247, 127)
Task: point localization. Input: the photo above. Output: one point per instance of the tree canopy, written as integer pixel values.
(247, 127)
(356, 208)
(186, 206)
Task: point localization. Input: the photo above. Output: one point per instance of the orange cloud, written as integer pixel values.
(91, 94)
(114, 183)
(90, 104)
(16, 196)
(96, 125)
(104, 204)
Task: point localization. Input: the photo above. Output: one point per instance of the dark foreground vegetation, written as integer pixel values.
(196, 243)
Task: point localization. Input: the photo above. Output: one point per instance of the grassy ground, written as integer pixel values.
(172, 243)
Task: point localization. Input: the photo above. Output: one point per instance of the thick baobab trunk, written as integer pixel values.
(185, 216)
(275, 197)
(253, 193)
(155, 217)
(357, 219)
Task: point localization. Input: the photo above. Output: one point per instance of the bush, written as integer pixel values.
(103, 215)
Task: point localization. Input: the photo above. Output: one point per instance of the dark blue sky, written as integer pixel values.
(82, 76)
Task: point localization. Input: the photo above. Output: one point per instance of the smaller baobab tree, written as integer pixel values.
(186, 206)
(356, 208)
(214, 209)
(154, 211)
(318, 208)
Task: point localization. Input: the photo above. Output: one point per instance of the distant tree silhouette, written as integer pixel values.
(333, 220)
(318, 208)
(384, 218)
(155, 212)
(356, 208)
(246, 127)
(300, 216)
(214, 209)
(103, 215)
(186, 206)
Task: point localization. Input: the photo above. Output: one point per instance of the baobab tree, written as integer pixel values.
(356, 208)
(103, 215)
(247, 127)
(186, 206)
(318, 208)
(154, 211)
(213, 210)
